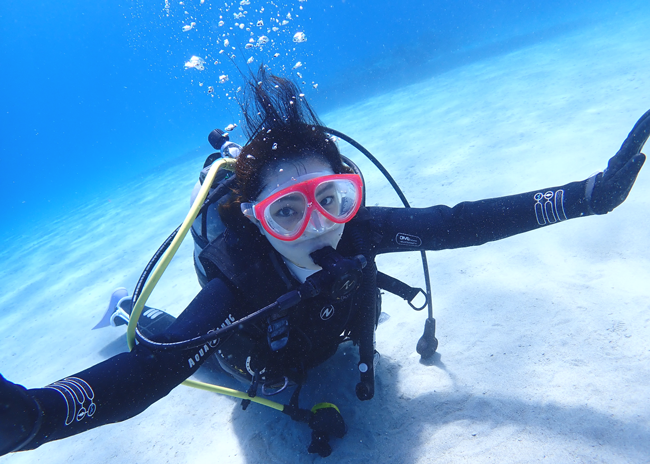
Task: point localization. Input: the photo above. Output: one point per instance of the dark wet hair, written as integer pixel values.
(281, 126)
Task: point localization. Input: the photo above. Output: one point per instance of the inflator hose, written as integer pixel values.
(171, 251)
(160, 268)
(313, 417)
(366, 315)
(428, 343)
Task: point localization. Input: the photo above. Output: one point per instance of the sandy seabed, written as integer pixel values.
(544, 337)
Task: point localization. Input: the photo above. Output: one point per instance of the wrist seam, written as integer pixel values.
(589, 190)
(35, 429)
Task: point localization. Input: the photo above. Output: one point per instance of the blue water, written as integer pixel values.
(95, 94)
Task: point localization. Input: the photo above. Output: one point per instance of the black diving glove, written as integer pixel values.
(20, 417)
(606, 190)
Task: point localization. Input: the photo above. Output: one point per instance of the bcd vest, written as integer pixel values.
(257, 274)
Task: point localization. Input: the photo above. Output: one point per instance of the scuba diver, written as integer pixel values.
(285, 253)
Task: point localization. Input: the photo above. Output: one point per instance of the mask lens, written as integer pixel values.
(337, 198)
(286, 214)
(319, 203)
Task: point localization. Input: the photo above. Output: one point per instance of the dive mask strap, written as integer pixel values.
(248, 210)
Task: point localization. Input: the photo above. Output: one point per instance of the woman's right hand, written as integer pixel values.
(19, 416)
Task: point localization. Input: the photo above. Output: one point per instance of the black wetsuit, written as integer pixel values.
(126, 384)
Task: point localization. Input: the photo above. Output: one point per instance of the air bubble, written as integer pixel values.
(299, 37)
(195, 62)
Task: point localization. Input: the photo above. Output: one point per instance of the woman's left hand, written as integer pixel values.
(606, 190)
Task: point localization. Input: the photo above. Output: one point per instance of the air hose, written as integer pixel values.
(428, 343)
(162, 266)
(157, 273)
(173, 248)
(324, 419)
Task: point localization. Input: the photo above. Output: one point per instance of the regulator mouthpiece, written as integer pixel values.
(340, 276)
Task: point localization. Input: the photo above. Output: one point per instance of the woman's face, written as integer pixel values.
(285, 174)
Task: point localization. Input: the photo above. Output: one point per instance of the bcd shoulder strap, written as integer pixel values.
(384, 281)
(251, 266)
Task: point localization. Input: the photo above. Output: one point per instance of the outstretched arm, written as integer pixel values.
(478, 222)
(114, 390)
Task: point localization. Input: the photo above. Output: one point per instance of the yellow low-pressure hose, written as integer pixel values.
(225, 163)
(173, 248)
(234, 393)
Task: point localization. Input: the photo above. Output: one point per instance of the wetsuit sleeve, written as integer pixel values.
(476, 222)
(125, 385)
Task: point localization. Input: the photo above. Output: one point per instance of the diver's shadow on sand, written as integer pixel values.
(394, 428)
